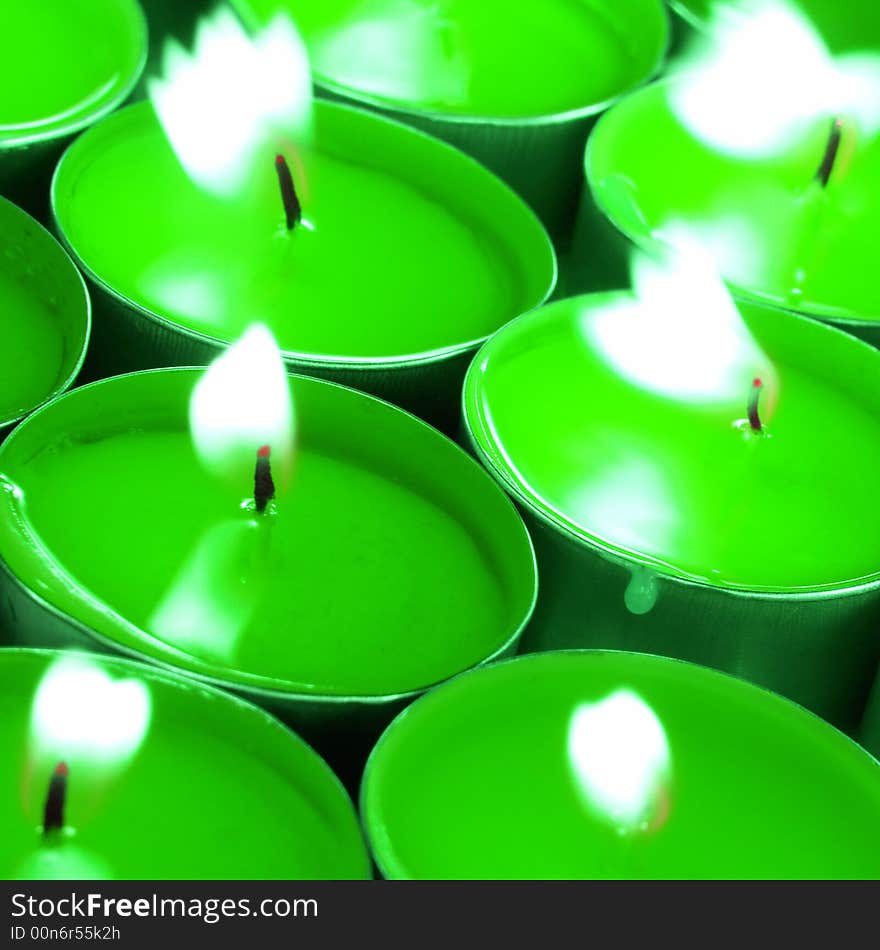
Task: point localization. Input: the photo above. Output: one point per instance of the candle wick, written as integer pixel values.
(53, 813)
(832, 148)
(264, 486)
(754, 396)
(292, 207)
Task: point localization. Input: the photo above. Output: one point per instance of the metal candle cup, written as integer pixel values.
(688, 182)
(167, 779)
(416, 256)
(484, 66)
(63, 67)
(713, 553)
(393, 562)
(478, 779)
(45, 316)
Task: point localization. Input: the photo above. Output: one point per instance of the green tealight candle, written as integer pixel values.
(44, 316)
(778, 237)
(156, 778)
(65, 63)
(515, 85)
(664, 523)
(392, 563)
(408, 256)
(671, 771)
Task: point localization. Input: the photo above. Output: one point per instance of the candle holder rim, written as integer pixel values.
(75, 126)
(258, 684)
(549, 656)
(85, 320)
(549, 268)
(479, 438)
(840, 316)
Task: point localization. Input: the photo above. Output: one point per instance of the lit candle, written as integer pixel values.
(677, 505)
(44, 316)
(585, 764)
(379, 257)
(332, 587)
(62, 66)
(113, 770)
(515, 85)
(767, 148)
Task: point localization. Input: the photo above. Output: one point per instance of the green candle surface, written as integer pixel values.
(386, 265)
(216, 789)
(44, 315)
(478, 57)
(392, 563)
(777, 236)
(680, 486)
(474, 780)
(64, 63)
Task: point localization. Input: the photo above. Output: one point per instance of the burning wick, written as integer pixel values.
(53, 814)
(264, 487)
(754, 417)
(823, 174)
(292, 207)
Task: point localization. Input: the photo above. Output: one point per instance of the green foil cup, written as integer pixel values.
(45, 605)
(539, 156)
(128, 337)
(816, 645)
(29, 150)
(32, 259)
(477, 780)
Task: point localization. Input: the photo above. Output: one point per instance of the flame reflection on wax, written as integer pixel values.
(619, 756)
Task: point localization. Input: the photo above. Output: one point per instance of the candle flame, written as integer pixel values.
(81, 714)
(681, 334)
(619, 755)
(241, 404)
(226, 104)
(761, 74)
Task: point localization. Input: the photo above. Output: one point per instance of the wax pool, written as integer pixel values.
(393, 563)
(44, 315)
(385, 265)
(216, 789)
(678, 486)
(777, 236)
(474, 780)
(477, 57)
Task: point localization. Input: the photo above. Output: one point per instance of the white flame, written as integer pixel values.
(762, 72)
(233, 97)
(241, 403)
(81, 713)
(620, 758)
(682, 336)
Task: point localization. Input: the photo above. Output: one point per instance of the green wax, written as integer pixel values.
(473, 780)
(683, 487)
(370, 578)
(44, 315)
(385, 265)
(216, 789)
(31, 350)
(777, 236)
(478, 57)
(64, 63)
